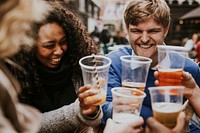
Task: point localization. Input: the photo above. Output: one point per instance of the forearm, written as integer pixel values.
(67, 119)
(194, 101)
(57, 121)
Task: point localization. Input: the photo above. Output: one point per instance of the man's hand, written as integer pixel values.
(154, 126)
(126, 127)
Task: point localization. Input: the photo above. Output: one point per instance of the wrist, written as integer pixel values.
(195, 95)
(95, 113)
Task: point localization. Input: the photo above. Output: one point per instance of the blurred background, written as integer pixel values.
(100, 14)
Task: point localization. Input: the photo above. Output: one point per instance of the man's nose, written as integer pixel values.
(145, 37)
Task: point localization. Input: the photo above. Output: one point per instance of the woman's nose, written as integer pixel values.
(58, 50)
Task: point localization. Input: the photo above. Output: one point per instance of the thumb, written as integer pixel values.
(110, 121)
(181, 123)
(186, 76)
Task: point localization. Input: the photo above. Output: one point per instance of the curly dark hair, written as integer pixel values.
(78, 39)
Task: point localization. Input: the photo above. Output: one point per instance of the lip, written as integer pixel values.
(55, 61)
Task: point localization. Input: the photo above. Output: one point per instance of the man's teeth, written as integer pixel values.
(56, 60)
(145, 46)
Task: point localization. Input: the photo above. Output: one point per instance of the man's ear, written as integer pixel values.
(166, 29)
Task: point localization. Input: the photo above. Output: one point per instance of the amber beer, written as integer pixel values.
(101, 95)
(167, 113)
(171, 77)
(136, 85)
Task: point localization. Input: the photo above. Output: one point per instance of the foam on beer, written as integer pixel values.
(136, 85)
(167, 113)
(167, 107)
(169, 70)
(124, 117)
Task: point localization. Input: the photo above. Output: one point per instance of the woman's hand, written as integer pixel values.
(87, 106)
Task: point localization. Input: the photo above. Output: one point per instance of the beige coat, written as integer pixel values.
(15, 117)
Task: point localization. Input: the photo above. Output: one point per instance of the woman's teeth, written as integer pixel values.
(56, 60)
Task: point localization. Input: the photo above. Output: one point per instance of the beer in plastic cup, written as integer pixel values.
(95, 70)
(127, 103)
(134, 71)
(166, 105)
(171, 61)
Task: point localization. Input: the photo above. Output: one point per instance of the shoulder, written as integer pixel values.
(7, 82)
(126, 50)
(189, 42)
(115, 55)
(193, 68)
(21, 65)
(189, 63)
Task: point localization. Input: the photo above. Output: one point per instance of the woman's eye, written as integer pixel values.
(49, 45)
(63, 42)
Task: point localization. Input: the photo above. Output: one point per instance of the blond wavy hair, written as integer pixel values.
(139, 10)
(16, 17)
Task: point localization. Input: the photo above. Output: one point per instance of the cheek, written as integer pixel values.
(131, 38)
(132, 41)
(43, 53)
(158, 41)
(64, 48)
(158, 38)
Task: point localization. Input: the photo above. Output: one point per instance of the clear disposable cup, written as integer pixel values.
(127, 103)
(166, 103)
(134, 71)
(171, 61)
(95, 70)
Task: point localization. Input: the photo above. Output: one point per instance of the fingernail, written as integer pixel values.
(188, 74)
(182, 115)
(88, 85)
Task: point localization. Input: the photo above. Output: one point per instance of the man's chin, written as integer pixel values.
(145, 54)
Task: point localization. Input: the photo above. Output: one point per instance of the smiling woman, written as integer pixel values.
(51, 74)
(51, 45)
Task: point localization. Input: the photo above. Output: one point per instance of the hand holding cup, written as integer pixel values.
(87, 106)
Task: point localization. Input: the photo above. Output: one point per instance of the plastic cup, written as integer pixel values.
(95, 70)
(171, 61)
(127, 103)
(166, 103)
(134, 71)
